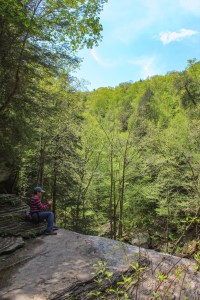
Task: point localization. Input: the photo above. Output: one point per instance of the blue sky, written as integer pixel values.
(142, 38)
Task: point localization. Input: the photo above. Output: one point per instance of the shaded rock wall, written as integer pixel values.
(13, 228)
(11, 218)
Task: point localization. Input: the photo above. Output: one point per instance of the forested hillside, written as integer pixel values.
(114, 160)
(141, 145)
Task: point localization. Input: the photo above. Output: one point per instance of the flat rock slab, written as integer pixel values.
(48, 266)
(10, 244)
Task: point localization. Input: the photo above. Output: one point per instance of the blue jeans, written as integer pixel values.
(45, 215)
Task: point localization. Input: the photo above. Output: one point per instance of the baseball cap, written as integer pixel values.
(38, 189)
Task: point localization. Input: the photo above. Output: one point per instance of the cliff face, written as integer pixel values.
(62, 267)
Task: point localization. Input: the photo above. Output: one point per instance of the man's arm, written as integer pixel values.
(40, 205)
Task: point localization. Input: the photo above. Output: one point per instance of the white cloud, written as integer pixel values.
(98, 59)
(168, 37)
(147, 65)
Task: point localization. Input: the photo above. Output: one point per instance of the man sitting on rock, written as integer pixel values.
(39, 211)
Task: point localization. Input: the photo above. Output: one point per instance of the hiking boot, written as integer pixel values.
(50, 232)
(55, 228)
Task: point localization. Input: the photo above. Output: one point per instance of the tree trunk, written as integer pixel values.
(54, 191)
(114, 213)
(40, 177)
(125, 163)
(121, 204)
(111, 193)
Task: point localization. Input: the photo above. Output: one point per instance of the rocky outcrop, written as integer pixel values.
(12, 222)
(10, 244)
(74, 266)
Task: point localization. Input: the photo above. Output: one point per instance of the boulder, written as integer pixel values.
(75, 266)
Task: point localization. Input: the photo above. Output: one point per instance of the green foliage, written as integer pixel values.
(38, 42)
(118, 288)
(148, 170)
(120, 158)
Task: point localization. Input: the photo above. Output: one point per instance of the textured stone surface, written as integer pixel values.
(11, 218)
(10, 244)
(49, 267)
